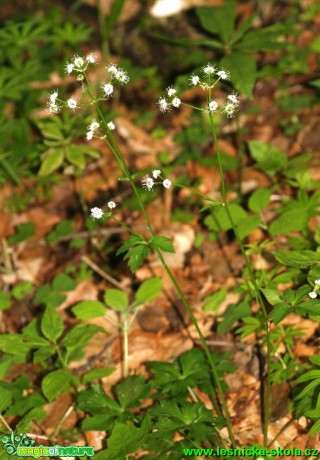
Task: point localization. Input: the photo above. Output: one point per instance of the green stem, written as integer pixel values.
(125, 345)
(257, 291)
(103, 32)
(5, 423)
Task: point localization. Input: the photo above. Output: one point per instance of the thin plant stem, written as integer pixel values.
(103, 32)
(5, 423)
(113, 145)
(63, 418)
(125, 331)
(257, 291)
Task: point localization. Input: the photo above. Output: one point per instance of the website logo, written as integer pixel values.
(23, 446)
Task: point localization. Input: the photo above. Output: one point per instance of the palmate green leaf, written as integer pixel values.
(34, 415)
(243, 70)
(247, 225)
(52, 161)
(51, 128)
(268, 158)
(89, 309)
(131, 390)
(312, 307)
(63, 282)
(315, 428)
(55, 383)
(125, 439)
(172, 417)
(315, 360)
(161, 242)
(23, 232)
(259, 199)
(219, 219)
(79, 335)
(311, 375)
(43, 353)
(51, 324)
(272, 295)
(136, 256)
(96, 401)
(293, 220)
(279, 312)
(26, 403)
(116, 299)
(298, 259)
(309, 388)
(75, 156)
(4, 301)
(232, 314)
(218, 20)
(132, 241)
(148, 290)
(97, 374)
(13, 344)
(99, 422)
(213, 302)
(189, 370)
(265, 39)
(5, 399)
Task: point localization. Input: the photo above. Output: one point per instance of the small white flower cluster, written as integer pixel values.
(80, 64)
(97, 213)
(172, 100)
(118, 76)
(313, 294)
(94, 126)
(211, 76)
(149, 182)
(55, 104)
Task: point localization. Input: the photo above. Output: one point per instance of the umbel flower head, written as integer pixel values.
(313, 294)
(211, 75)
(149, 182)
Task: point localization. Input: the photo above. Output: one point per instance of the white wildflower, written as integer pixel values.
(195, 80)
(171, 91)
(163, 104)
(90, 58)
(147, 183)
(212, 106)
(96, 213)
(166, 183)
(176, 102)
(313, 295)
(89, 135)
(112, 69)
(94, 125)
(72, 103)
(78, 62)
(209, 69)
(69, 68)
(317, 282)
(53, 96)
(121, 76)
(223, 74)
(111, 126)
(108, 89)
(111, 205)
(156, 173)
(229, 109)
(53, 108)
(234, 98)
